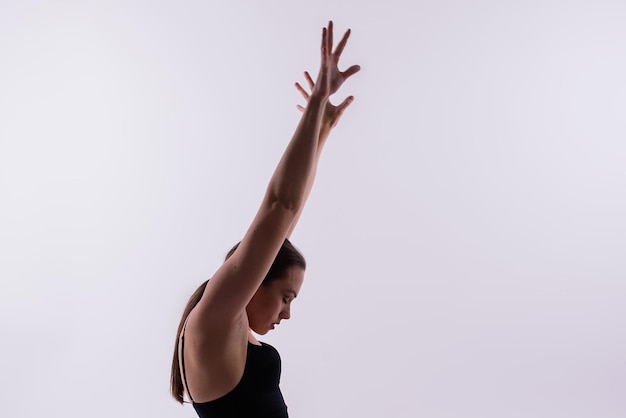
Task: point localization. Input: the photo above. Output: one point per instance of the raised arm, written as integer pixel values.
(235, 282)
(330, 118)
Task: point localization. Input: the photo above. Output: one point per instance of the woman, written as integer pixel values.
(223, 368)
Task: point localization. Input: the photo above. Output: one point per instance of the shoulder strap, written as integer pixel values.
(182, 360)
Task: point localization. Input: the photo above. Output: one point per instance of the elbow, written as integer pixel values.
(285, 202)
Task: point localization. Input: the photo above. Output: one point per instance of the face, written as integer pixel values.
(272, 302)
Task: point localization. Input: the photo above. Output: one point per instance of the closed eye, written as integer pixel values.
(291, 296)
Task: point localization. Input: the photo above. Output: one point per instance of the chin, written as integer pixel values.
(260, 331)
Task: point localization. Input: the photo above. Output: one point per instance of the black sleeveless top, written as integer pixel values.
(257, 395)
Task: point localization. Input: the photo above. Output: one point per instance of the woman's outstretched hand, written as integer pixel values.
(332, 113)
(330, 78)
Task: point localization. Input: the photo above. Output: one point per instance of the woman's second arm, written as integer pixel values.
(235, 282)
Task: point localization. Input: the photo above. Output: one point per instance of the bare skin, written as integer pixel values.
(272, 302)
(234, 301)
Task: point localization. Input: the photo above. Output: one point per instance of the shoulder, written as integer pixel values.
(214, 357)
(214, 333)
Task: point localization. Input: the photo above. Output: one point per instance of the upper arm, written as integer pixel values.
(234, 283)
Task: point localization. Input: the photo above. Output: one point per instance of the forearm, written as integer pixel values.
(323, 136)
(320, 116)
(290, 183)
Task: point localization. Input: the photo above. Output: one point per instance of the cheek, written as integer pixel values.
(271, 305)
(277, 306)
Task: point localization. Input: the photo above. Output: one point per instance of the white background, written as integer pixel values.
(466, 236)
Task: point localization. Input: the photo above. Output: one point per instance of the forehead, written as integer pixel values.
(291, 281)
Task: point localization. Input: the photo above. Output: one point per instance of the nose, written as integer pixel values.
(286, 313)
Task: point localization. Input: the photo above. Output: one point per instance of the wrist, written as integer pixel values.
(325, 129)
(318, 95)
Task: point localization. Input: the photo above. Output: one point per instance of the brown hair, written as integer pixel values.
(288, 256)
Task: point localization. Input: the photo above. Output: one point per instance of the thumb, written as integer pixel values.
(348, 100)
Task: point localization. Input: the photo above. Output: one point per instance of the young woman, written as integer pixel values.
(223, 368)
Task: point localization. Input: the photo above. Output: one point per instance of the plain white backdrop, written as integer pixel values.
(466, 236)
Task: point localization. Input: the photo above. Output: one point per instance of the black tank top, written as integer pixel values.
(257, 395)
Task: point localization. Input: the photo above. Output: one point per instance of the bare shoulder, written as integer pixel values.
(214, 356)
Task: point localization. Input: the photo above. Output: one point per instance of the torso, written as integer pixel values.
(238, 378)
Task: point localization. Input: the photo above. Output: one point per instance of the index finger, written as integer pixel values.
(342, 44)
